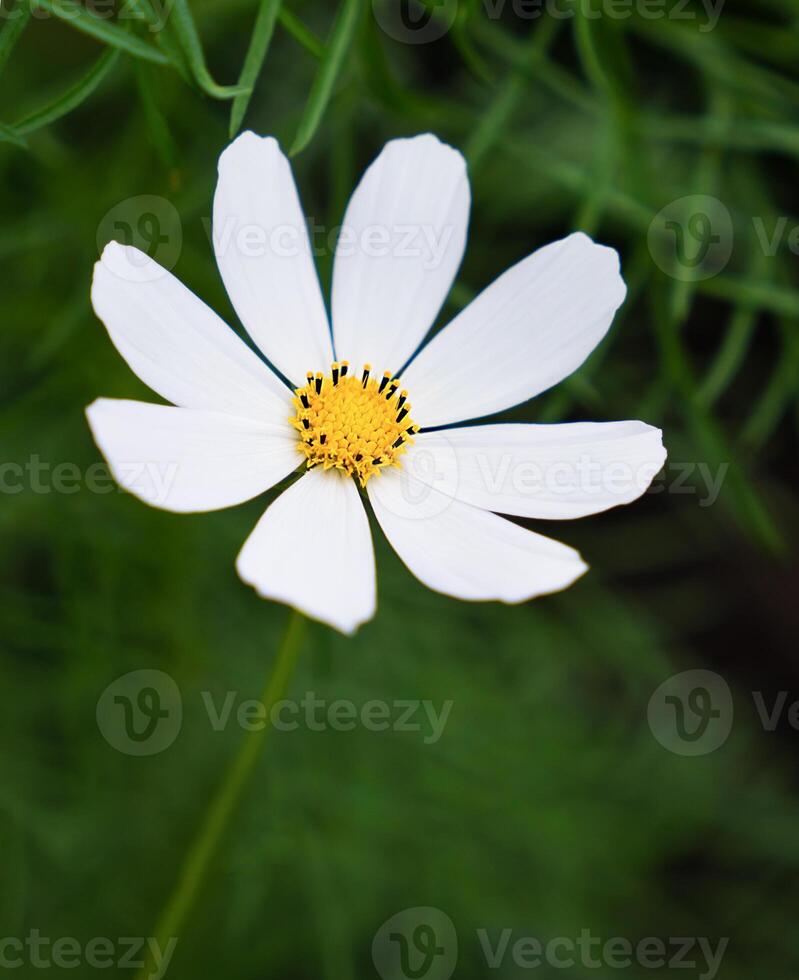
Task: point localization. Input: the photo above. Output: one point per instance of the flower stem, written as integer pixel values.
(223, 805)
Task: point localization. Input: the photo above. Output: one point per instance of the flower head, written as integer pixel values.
(356, 424)
(365, 408)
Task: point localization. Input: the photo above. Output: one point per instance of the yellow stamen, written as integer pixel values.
(356, 424)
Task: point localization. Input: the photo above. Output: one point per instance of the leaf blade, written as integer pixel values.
(12, 31)
(8, 134)
(254, 59)
(74, 96)
(340, 39)
(182, 23)
(105, 31)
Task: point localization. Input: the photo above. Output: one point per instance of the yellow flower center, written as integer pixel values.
(356, 424)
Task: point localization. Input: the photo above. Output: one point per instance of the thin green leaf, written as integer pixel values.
(713, 57)
(103, 30)
(758, 295)
(340, 39)
(301, 34)
(560, 82)
(9, 135)
(182, 22)
(748, 134)
(779, 392)
(707, 434)
(72, 98)
(254, 59)
(16, 22)
(156, 121)
(164, 38)
(504, 105)
(472, 58)
(732, 352)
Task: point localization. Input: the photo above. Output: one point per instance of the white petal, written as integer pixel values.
(176, 344)
(526, 332)
(264, 256)
(544, 471)
(313, 550)
(465, 552)
(401, 243)
(186, 460)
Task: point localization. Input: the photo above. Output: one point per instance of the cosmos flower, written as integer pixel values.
(365, 411)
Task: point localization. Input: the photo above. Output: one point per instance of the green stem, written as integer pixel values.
(217, 817)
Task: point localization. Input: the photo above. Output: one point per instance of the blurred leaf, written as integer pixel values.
(13, 881)
(712, 56)
(338, 44)
(731, 354)
(102, 30)
(754, 294)
(15, 22)
(164, 35)
(295, 27)
(182, 23)
(779, 392)
(10, 135)
(74, 96)
(500, 112)
(156, 120)
(268, 11)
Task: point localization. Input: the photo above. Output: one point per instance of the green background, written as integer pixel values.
(547, 806)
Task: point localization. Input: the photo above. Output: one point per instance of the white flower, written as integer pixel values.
(238, 429)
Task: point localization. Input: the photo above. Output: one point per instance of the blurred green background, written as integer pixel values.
(547, 806)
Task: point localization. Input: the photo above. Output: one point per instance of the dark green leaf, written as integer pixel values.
(301, 34)
(182, 23)
(72, 97)
(259, 45)
(9, 135)
(103, 30)
(340, 39)
(16, 21)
